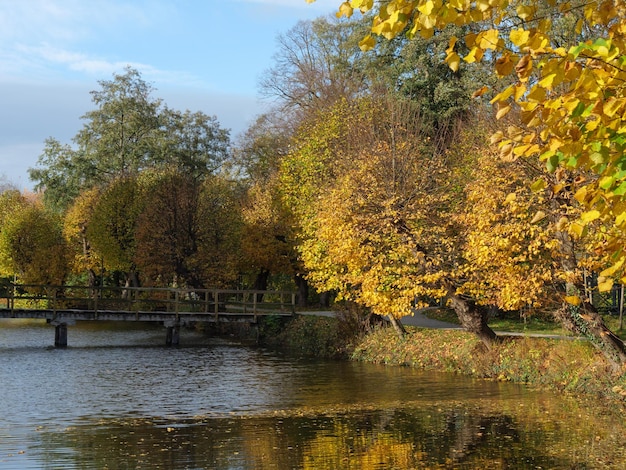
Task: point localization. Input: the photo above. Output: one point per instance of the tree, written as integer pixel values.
(128, 132)
(32, 246)
(315, 65)
(373, 204)
(76, 220)
(218, 257)
(192, 143)
(168, 230)
(111, 230)
(267, 244)
(570, 97)
(262, 146)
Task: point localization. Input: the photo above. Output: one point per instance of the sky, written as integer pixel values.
(201, 55)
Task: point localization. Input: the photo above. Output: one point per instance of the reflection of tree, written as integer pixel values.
(467, 433)
(412, 438)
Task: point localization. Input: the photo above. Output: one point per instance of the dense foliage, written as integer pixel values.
(381, 177)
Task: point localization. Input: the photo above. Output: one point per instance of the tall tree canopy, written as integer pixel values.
(129, 131)
(564, 98)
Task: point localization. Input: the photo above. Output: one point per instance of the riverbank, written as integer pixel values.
(571, 366)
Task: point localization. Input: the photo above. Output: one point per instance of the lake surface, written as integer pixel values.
(117, 398)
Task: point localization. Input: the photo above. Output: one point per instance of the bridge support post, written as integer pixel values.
(60, 335)
(172, 336)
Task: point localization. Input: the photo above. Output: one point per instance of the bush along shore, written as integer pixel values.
(567, 365)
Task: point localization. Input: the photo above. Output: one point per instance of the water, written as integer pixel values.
(117, 398)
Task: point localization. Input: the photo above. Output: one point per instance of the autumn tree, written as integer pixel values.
(111, 229)
(76, 220)
(32, 246)
(568, 90)
(168, 230)
(219, 210)
(373, 203)
(267, 244)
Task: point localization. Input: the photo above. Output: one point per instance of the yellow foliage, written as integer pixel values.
(375, 231)
(577, 103)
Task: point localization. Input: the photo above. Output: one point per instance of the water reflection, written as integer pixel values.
(212, 404)
(404, 438)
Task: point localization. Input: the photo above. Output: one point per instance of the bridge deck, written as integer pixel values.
(64, 305)
(71, 315)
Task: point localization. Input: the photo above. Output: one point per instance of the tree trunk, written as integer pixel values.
(472, 319)
(397, 326)
(325, 299)
(584, 319)
(260, 282)
(303, 290)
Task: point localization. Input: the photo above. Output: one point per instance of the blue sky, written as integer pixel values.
(201, 55)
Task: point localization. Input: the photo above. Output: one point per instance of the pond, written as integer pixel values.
(117, 398)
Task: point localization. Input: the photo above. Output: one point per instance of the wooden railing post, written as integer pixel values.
(12, 298)
(254, 302)
(216, 300)
(176, 298)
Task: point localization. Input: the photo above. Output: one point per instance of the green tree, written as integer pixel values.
(128, 132)
(192, 143)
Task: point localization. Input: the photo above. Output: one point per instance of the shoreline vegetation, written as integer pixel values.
(567, 365)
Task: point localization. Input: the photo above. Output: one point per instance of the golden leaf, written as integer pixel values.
(454, 61)
(519, 37)
(481, 91)
(590, 216)
(344, 10)
(576, 230)
(426, 8)
(605, 285)
(502, 110)
(524, 67)
(367, 43)
(572, 299)
(504, 65)
(613, 269)
(539, 216)
(546, 82)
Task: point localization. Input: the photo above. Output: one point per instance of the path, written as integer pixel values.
(420, 320)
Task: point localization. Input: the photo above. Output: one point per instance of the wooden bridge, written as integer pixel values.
(61, 306)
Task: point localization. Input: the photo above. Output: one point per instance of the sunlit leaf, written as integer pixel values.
(572, 300)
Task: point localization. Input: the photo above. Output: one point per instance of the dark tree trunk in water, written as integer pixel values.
(472, 319)
(303, 290)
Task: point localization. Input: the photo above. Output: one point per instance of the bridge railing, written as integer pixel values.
(147, 299)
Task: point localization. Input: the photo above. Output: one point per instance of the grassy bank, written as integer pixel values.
(573, 366)
(565, 365)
